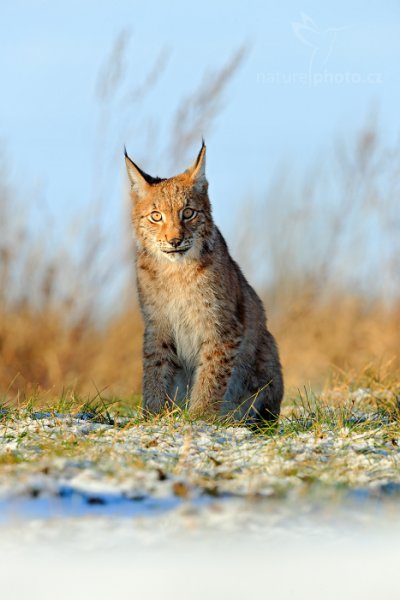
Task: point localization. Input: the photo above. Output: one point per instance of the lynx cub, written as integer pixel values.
(205, 341)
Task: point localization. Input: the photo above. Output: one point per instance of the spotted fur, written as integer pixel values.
(206, 343)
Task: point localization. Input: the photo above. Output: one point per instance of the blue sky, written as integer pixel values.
(276, 109)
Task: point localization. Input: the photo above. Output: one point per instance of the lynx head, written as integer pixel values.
(172, 217)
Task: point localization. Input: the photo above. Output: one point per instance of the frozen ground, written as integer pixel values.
(125, 462)
(172, 509)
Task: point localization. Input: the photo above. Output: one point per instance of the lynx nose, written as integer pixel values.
(175, 242)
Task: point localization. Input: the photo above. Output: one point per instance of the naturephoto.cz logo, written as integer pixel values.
(321, 43)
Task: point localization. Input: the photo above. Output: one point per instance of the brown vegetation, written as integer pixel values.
(331, 303)
(40, 351)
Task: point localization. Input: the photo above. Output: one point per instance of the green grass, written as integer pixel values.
(341, 439)
(302, 412)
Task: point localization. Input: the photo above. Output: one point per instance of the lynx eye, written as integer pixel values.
(155, 216)
(188, 213)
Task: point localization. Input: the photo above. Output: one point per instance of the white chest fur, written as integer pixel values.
(185, 317)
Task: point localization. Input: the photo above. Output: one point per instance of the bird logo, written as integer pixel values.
(321, 41)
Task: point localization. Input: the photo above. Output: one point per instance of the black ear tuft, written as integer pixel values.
(125, 152)
(201, 154)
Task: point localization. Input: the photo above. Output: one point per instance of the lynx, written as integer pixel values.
(206, 344)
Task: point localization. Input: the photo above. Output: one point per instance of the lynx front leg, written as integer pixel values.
(214, 371)
(159, 366)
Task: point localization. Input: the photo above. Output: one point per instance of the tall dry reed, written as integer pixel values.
(316, 255)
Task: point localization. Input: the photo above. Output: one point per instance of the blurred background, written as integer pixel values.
(298, 103)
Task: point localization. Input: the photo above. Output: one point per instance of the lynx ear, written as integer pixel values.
(139, 180)
(197, 171)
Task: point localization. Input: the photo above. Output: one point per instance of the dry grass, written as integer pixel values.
(326, 309)
(53, 337)
(40, 352)
(341, 335)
